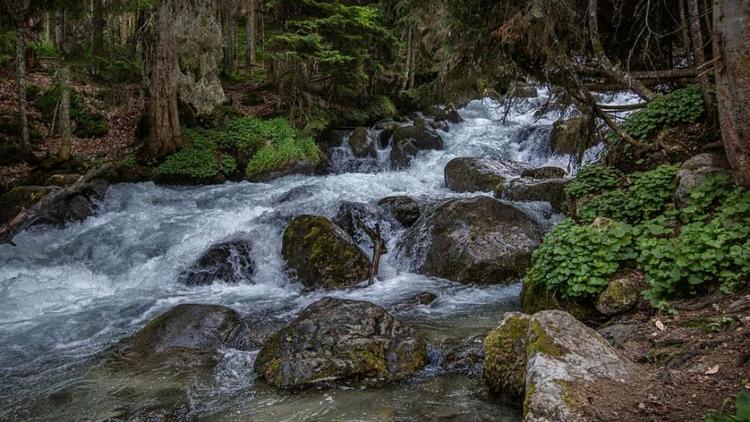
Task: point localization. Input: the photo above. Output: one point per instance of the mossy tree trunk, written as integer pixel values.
(732, 47)
(165, 133)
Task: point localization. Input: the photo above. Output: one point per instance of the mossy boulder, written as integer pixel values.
(535, 298)
(622, 294)
(228, 261)
(281, 169)
(407, 141)
(523, 190)
(476, 240)
(361, 144)
(556, 363)
(21, 198)
(445, 113)
(505, 355)
(322, 254)
(571, 135)
(62, 179)
(336, 341)
(470, 174)
(404, 209)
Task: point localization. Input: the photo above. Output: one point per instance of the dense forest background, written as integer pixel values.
(323, 64)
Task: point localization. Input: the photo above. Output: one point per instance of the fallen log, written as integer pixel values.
(378, 248)
(27, 217)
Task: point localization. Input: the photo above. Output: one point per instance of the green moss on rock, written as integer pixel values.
(505, 355)
(322, 254)
(541, 342)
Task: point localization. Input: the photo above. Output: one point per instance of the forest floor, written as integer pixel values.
(696, 358)
(121, 104)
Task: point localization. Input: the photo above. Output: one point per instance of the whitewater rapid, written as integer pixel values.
(67, 294)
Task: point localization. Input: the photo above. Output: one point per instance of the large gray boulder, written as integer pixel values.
(558, 364)
(407, 141)
(228, 261)
(322, 254)
(341, 341)
(523, 190)
(477, 240)
(695, 170)
(470, 174)
(571, 135)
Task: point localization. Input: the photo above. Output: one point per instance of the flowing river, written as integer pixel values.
(68, 294)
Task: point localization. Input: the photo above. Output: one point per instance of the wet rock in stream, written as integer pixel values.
(228, 261)
(476, 240)
(341, 341)
(322, 254)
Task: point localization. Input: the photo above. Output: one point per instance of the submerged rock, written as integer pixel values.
(407, 141)
(186, 328)
(361, 144)
(622, 293)
(322, 254)
(469, 174)
(695, 170)
(556, 362)
(445, 113)
(229, 262)
(477, 240)
(341, 341)
(463, 355)
(521, 190)
(404, 209)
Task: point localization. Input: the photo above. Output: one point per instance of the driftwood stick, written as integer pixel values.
(378, 247)
(27, 217)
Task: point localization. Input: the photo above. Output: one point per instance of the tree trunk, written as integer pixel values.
(610, 68)
(699, 55)
(21, 83)
(228, 25)
(251, 36)
(97, 27)
(165, 133)
(59, 32)
(731, 41)
(413, 60)
(405, 85)
(685, 30)
(64, 153)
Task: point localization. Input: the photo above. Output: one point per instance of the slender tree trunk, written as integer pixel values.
(685, 29)
(731, 41)
(21, 83)
(59, 18)
(97, 27)
(407, 65)
(610, 68)
(228, 25)
(699, 55)
(251, 36)
(413, 60)
(165, 133)
(64, 153)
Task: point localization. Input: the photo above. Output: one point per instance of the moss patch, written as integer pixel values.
(505, 356)
(540, 342)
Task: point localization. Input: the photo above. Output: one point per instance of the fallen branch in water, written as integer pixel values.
(378, 247)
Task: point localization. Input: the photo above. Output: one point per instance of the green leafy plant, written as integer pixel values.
(742, 414)
(678, 107)
(278, 154)
(89, 124)
(593, 179)
(577, 261)
(649, 193)
(201, 162)
(715, 248)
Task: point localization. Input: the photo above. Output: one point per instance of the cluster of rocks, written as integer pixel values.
(507, 179)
